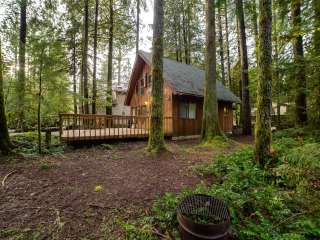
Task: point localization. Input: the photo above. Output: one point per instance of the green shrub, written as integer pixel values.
(27, 144)
(280, 202)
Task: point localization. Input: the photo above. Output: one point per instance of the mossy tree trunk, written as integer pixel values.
(95, 43)
(156, 136)
(210, 120)
(5, 144)
(85, 56)
(110, 58)
(316, 45)
(263, 118)
(20, 89)
(300, 75)
(245, 106)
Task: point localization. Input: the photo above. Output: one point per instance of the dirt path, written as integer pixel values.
(54, 197)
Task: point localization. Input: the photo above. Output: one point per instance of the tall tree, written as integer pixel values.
(264, 101)
(5, 144)
(245, 106)
(254, 21)
(221, 50)
(316, 46)
(110, 58)
(300, 75)
(85, 56)
(40, 98)
(156, 136)
(227, 42)
(74, 73)
(22, 60)
(138, 26)
(276, 73)
(95, 41)
(210, 120)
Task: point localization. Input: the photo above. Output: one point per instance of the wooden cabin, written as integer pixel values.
(183, 96)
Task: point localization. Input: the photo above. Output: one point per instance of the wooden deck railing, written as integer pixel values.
(75, 127)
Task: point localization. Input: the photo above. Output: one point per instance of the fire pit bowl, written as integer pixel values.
(203, 217)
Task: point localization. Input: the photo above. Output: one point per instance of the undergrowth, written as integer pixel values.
(279, 202)
(27, 144)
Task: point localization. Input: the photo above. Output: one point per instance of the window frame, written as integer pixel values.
(187, 107)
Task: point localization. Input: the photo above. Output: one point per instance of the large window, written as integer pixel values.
(187, 110)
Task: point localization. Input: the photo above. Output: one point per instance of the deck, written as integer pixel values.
(85, 127)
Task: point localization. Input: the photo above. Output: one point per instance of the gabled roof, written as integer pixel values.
(187, 79)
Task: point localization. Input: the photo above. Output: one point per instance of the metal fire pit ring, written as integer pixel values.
(203, 206)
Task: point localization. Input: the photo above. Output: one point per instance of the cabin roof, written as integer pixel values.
(187, 79)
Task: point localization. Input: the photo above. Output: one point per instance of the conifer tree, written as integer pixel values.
(264, 101)
(210, 120)
(156, 135)
(5, 144)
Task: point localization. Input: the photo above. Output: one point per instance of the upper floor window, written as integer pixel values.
(141, 86)
(145, 80)
(149, 81)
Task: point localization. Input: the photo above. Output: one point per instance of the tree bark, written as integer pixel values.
(22, 59)
(189, 35)
(110, 53)
(228, 44)
(179, 38)
(221, 51)
(300, 76)
(184, 34)
(245, 106)
(95, 43)
(254, 19)
(316, 45)
(5, 144)
(276, 75)
(85, 57)
(264, 94)
(239, 60)
(39, 100)
(138, 26)
(74, 73)
(210, 120)
(156, 136)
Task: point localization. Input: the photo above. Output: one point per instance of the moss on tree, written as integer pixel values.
(316, 80)
(156, 136)
(5, 144)
(210, 120)
(263, 116)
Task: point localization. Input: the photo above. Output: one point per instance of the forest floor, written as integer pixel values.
(85, 192)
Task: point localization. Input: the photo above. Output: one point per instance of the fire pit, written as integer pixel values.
(203, 217)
